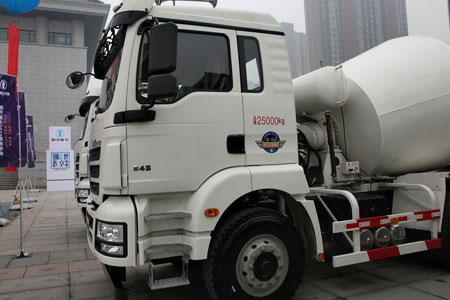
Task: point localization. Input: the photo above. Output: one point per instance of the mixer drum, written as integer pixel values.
(397, 116)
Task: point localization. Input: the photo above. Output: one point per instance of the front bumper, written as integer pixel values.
(115, 210)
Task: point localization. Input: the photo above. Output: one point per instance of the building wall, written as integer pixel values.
(42, 73)
(314, 15)
(340, 30)
(289, 32)
(297, 50)
(43, 67)
(302, 55)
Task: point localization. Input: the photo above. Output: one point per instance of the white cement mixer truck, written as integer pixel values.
(87, 111)
(203, 149)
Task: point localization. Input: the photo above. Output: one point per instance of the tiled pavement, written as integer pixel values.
(62, 266)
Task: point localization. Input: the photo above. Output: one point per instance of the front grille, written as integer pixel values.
(77, 158)
(77, 167)
(94, 188)
(95, 171)
(94, 154)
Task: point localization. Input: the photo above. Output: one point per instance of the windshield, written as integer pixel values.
(109, 84)
(108, 49)
(107, 63)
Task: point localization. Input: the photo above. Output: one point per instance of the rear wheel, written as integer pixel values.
(255, 254)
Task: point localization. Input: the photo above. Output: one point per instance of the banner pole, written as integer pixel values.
(21, 254)
(20, 135)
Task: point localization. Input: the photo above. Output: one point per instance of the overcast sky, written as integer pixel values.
(425, 17)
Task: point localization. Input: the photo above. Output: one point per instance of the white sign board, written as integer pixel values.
(60, 170)
(60, 160)
(59, 137)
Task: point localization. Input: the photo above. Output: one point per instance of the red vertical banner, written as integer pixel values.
(13, 50)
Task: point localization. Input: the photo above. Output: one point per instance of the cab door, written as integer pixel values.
(189, 140)
(268, 102)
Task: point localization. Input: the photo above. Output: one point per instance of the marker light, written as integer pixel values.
(211, 212)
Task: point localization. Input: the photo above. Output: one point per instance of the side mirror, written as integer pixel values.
(161, 87)
(69, 118)
(163, 49)
(75, 80)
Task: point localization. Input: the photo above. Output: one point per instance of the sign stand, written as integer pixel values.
(34, 190)
(31, 190)
(17, 204)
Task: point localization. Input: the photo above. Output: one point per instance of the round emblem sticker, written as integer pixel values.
(271, 142)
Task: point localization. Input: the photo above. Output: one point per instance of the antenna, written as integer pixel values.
(213, 2)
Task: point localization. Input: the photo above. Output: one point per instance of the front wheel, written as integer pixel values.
(255, 254)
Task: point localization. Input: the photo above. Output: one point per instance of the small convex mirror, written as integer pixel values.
(75, 80)
(69, 118)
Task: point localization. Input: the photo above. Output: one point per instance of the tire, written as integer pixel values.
(255, 254)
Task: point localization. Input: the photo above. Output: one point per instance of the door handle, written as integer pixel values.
(236, 144)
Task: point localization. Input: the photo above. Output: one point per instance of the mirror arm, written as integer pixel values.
(70, 118)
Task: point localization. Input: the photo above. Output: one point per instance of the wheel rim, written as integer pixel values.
(262, 265)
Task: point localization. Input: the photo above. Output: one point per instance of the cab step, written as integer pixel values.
(168, 216)
(164, 283)
(168, 250)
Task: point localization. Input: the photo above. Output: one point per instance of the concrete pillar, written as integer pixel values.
(77, 33)
(41, 30)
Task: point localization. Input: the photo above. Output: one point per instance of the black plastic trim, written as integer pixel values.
(126, 18)
(94, 154)
(95, 171)
(95, 188)
(185, 22)
(236, 144)
(86, 105)
(132, 116)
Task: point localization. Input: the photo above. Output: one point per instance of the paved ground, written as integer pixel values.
(62, 266)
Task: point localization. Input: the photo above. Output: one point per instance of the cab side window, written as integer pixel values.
(250, 65)
(203, 64)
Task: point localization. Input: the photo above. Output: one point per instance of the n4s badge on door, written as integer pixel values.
(143, 168)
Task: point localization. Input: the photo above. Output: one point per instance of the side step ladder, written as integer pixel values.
(164, 283)
(168, 251)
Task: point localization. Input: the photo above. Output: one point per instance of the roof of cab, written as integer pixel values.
(218, 17)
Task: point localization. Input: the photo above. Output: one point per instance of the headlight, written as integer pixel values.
(82, 200)
(111, 249)
(83, 193)
(112, 233)
(111, 239)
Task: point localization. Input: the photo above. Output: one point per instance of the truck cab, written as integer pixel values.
(86, 110)
(162, 161)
